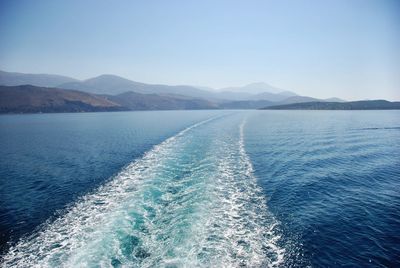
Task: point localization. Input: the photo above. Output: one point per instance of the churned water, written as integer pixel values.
(201, 189)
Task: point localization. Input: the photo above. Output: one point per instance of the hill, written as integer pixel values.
(256, 104)
(351, 105)
(254, 92)
(32, 99)
(257, 88)
(40, 80)
(137, 101)
(252, 96)
(113, 85)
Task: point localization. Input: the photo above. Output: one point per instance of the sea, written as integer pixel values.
(200, 189)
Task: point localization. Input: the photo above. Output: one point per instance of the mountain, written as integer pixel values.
(297, 99)
(257, 104)
(232, 96)
(351, 105)
(41, 80)
(113, 85)
(287, 93)
(32, 99)
(276, 97)
(247, 97)
(137, 101)
(254, 92)
(255, 88)
(253, 104)
(334, 100)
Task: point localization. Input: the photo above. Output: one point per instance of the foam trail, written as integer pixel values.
(191, 201)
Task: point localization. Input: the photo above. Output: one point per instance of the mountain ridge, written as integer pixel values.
(33, 99)
(45, 80)
(351, 105)
(114, 85)
(251, 96)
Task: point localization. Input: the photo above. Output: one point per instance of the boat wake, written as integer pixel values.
(191, 201)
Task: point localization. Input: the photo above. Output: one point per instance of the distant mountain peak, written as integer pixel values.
(46, 80)
(257, 88)
(258, 84)
(111, 84)
(107, 76)
(110, 78)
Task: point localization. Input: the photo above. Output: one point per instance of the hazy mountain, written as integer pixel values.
(32, 99)
(287, 93)
(257, 104)
(138, 101)
(352, 105)
(113, 85)
(300, 99)
(230, 95)
(253, 92)
(243, 96)
(269, 96)
(253, 104)
(41, 80)
(334, 100)
(255, 88)
(297, 99)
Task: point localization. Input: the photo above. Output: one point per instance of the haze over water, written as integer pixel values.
(201, 188)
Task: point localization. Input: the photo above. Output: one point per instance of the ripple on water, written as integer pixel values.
(184, 203)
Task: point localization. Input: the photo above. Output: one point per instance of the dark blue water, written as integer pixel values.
(221, 188)
(49, 160)
(333, 180)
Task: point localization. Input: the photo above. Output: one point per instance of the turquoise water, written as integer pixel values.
(201, 189)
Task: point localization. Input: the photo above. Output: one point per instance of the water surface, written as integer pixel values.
(205, 188)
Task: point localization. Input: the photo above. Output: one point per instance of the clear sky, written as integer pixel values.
(343, 48)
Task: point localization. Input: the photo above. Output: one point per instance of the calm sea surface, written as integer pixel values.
(201, 188)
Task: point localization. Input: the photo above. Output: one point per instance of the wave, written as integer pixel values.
(191, 201)
(379, 128)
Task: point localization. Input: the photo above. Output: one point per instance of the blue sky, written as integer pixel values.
(342, 48)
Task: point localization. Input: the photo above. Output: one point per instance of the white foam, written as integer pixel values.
(56, 242)
(213, 214)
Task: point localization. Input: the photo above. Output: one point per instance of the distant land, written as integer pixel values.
(31, 99)
(41, 80)
(36, 93)
(351, 105)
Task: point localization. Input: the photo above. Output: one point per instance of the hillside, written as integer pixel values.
(31, 99)
(256, 104)
(134, 95)
(256, 88)
(352, 105)
(40, 80)
(113, 85)
(137, 101)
